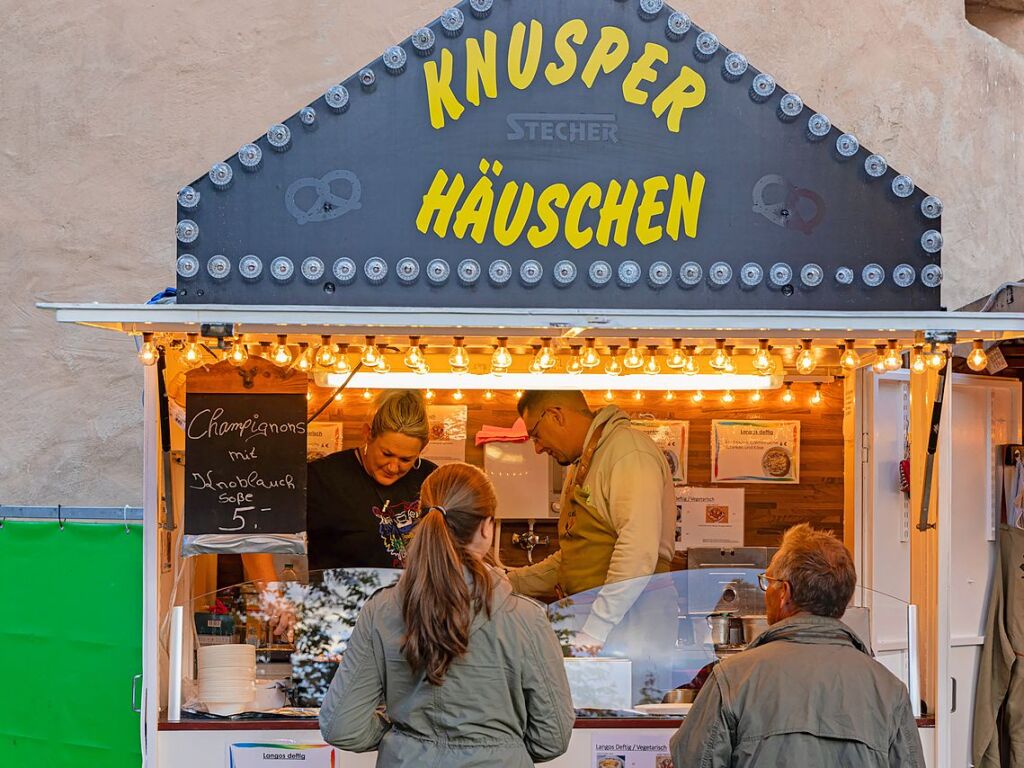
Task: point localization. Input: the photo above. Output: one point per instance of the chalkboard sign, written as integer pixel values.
(245, 472)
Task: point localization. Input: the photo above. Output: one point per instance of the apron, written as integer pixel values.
(999, 699)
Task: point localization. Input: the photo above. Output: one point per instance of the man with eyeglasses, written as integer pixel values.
(805, 692)
(616, 525)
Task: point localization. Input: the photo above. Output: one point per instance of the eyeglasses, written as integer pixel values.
(532, 432)
(763, 580)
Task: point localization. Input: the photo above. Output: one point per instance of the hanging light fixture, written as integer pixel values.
(148, 353)
(545, 357)
(892, 361)
(690, 365)
(367, 395)
(638, 396)
(728, 397)
(238, 355)
(697, 396)
(805, 361)
(501, 359)
(413, 355)
(878, 366)
(457, 395)
(575, 364)
(719, 359)
(614, 367)
(309, 395)
(488, 395)
(816, 398)
(192, 354)
(756, 396)
(371, 357)
(633, 358)
(337, 397)
(459, 358)
(428, 395)
(424, 367)
(670, 396)
(281, 355)
(848, 357)
(383, 366)
(763, 357)
(730, 362)
(341, 364)
(977, 359)
(304, 362)
(935, 358)
(325, 354)
(609, 396)
(652, 366)
(676, 359)
(787, 394)
(590, 358)
(918, 364)
(536, 365)
(518, 394)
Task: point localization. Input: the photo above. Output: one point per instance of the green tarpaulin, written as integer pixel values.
(70, 642)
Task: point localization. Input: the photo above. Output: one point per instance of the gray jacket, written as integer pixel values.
(506, 702)
(805, 693)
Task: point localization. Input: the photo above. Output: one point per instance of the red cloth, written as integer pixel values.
(491, 434)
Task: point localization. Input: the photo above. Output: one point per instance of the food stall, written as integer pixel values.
(524, 196)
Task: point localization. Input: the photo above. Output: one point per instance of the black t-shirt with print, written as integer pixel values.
(344, 512)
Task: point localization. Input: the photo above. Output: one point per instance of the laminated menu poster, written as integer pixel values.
(447, 434)
(631, 749)
(256, 755)
(322, 439)
(672, 437)
(755, 451)
(709, 517)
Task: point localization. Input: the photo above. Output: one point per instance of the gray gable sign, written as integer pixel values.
(583, 153)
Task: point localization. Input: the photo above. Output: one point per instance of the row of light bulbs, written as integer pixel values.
(728, 396)
(334, 357)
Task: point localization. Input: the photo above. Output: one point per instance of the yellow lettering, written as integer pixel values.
(504, 232)
(617, 211)
(685, 92)
(650, 206)
(576, 31)
(590, 195)
(482, 68)
(440, 96)
(440, 202)
(476, 211)
(555, 196)
(521, 73)
(685, 206)
(610, 51)
(643, 72)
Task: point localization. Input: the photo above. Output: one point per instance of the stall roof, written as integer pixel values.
(168, 318)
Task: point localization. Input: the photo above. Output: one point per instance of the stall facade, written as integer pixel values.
(605, 199)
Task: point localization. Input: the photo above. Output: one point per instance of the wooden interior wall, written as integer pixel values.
(770, 509)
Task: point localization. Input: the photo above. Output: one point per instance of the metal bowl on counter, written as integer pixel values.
(679, 696)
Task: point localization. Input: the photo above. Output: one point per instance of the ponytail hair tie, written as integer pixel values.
(442, 510)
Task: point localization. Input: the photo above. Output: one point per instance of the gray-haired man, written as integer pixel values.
(806, 692)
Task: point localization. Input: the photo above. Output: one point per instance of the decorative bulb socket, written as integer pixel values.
(345, 270)
(438, 272)
(279, 137)
(734, 67)
(659, 275)
(931, 207)
(818, 127)
(220, 175)
(762, 87)
(218, 267)
(499, 273)
(875, 166)
(677, 25)
(407, 270)
(375, 270)
(691, 274)
(469, 272)
(531, 272)
(337, 98)
(282, 269)
(847, 145)
(648, 10)
(564, 273)
(312, 269)
(367, 79)
(187, 266)
(452, 22)
(790, 107)
(395, 59)
(481, 9)
(187, 231)
(599, 274)
(628, 274)
(307, 116)
(719, 274)
(250, 267)
(188, 198)
(250, 156)
(423, 41)
(903, 186)
(706, 46)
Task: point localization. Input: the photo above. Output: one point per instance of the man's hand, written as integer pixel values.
(586, 645)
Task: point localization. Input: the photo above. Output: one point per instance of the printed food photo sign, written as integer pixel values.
(755, 451)
(516, 154)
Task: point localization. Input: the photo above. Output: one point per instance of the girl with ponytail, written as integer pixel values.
(469, 673)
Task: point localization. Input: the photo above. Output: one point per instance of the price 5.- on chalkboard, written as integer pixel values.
(245, 472)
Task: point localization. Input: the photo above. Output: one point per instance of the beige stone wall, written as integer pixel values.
(109, 107)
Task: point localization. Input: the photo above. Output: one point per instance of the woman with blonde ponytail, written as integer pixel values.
(469, 673)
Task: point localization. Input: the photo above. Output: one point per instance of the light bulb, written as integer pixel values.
(326, 353)
(849, 358)
(690, 364)
(371, 357)
(590, 358)
(367, 395)
(502, 358)
(676, 359)
(892, 360)
(917, 361)
(816, 398)
(305, 360)
(459, 358)
(488, 395)
(634, 358)
(638, 395)
(719, 359)
(574, 366)
(805, 362)
(337, 397)
(878, 366)
(238, 354)
(382, 366)
(148, 353)
(546, 357)
(787, 395)
(652, 366)
(609, 396)
(457, 395)
(670, 396)
(614, 368)
(730, 363)
(697, 396)
(977, 360)
(264, 350)
(414, 355)
(728, 397)
(762, 358)
(281, 355)
(756, 396)
(935, 358)
(518, 394)
(309, 395)
(428, 395)
(341, 365)
(192, 354)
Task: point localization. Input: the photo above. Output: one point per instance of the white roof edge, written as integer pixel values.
(130, 318)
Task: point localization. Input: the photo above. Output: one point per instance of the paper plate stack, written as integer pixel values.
(227, 675)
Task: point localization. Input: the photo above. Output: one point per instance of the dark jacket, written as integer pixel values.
(506, 702)
(804, 693)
